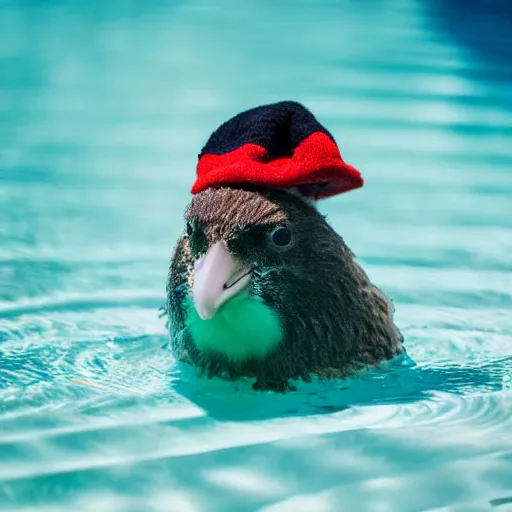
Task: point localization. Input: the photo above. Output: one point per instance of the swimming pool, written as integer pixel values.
(103, 109)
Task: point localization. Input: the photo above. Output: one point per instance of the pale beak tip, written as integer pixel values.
(204, 314)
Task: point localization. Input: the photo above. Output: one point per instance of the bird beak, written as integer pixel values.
(217, 278)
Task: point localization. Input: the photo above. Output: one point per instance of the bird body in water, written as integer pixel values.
(260, 285)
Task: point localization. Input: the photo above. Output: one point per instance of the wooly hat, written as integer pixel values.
(280, 145)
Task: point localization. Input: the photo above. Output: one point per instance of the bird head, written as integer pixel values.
(263, 263)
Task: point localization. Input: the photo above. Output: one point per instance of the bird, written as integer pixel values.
(260, 285)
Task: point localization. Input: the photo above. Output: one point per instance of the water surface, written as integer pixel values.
(103, 109)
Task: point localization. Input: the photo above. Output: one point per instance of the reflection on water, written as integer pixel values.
(103, 108)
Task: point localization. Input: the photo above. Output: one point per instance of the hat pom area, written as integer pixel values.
(281, 145)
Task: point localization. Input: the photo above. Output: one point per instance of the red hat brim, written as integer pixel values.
(315, 164)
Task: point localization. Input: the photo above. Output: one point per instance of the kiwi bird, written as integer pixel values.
(260, 285)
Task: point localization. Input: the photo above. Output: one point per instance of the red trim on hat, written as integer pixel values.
(315, 160)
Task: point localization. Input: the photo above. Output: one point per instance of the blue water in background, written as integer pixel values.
(103, 109)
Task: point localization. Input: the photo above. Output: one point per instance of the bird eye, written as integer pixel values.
(197, 239)
(281, 236)
(190, 228)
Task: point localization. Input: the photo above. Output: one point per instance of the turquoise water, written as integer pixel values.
(103, 109)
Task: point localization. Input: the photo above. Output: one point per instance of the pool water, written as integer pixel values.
(103, 109)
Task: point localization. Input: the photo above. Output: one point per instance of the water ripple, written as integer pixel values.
(103, 107)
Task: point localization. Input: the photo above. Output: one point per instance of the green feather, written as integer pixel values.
(242, 328)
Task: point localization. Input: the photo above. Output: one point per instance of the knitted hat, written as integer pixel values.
(281, 145)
